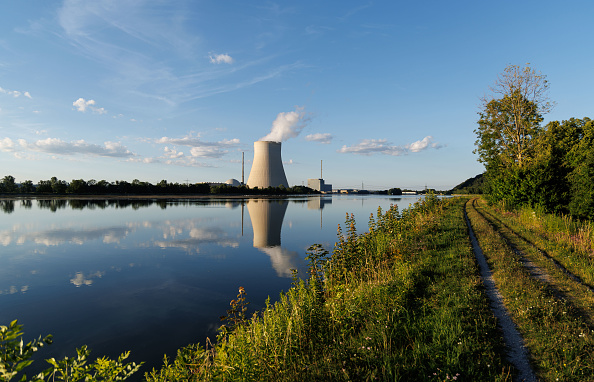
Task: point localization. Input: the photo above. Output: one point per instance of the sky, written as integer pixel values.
(382, 93)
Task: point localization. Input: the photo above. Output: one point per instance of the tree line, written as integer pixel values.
(549, 167)
(55, 186)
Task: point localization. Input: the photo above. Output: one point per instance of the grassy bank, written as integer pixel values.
(402, 302)
(551, 310)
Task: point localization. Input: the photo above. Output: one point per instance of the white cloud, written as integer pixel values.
(57, 146)
(172, 153)
(6, 144)
(15, 93)
(207, 152)
(372, 146)
(287, 125)
(82, 105)
(382, 146)
(423, 144)
(325, 138)
(220, 59)
(200, 148)
(182, 160)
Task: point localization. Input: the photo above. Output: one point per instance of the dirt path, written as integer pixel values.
(508, 232)
(517, 352)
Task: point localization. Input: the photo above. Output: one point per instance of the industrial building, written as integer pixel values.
(319, 185)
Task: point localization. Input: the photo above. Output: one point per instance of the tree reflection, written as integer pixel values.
(7, 206)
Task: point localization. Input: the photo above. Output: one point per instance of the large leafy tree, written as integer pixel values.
(554, 161)
(581, 179)
(508, 127)
(7, 184)
(510, 117)
(506, 136)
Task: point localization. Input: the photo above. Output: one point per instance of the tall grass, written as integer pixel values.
(401, 302)
(569, 241)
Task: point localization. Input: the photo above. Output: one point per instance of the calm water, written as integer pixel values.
(153, 276)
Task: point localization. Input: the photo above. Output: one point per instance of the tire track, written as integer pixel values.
(518, 354)
(491, 219)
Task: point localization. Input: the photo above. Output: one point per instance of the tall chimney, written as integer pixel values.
(267, 168)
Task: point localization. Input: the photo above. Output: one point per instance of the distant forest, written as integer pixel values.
(55, 186)
(473, 185)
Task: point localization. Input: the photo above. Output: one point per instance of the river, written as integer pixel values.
(151, 276)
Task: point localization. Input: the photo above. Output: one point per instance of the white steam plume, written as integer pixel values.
(287, 125)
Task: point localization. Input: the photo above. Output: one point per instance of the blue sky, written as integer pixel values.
(385, 93)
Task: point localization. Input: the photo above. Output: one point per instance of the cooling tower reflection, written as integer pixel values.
(267, 220)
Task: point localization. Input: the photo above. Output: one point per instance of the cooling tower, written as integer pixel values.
(267, 169)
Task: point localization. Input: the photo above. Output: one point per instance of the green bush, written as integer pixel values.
(15, 356)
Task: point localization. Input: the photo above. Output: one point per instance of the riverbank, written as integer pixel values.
(402, 302)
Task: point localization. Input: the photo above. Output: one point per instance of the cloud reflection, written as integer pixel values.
(183, 233)
(59, 236)
(197, 237)
(283, 260)
(14, 289)
(80, 279)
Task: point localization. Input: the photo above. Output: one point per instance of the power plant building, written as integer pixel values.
(319, 185)
(267, 168)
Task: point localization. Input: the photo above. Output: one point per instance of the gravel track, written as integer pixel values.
(517, 354)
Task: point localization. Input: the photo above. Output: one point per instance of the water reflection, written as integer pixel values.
(80, 279)
(267, 220)
(7, 206)
(14, 290)
(318, 203)
(196, 237)
(113, 278)
(58, 236)
(266, 216)
(54, 204)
